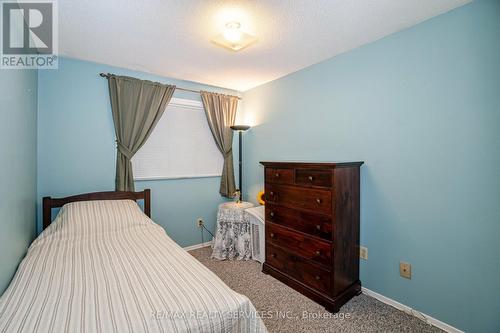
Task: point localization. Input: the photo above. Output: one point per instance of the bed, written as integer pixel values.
(104, 266)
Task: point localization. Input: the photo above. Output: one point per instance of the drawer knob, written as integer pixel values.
(271, 235)
(277, 175)
(318, 277)
(271, 214)
(273, 255)
(318, 252)
(318, 201)
(271, 193)
(311, 178)
(318, 227)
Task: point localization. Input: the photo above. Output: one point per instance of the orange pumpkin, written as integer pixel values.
(261, 198)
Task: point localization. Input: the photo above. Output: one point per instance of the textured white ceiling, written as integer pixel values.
(172, 37)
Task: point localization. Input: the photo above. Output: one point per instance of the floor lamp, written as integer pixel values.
(240, 129)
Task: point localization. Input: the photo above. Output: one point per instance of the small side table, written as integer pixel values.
(233, 238)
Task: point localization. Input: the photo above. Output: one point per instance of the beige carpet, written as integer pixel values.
(285, 310)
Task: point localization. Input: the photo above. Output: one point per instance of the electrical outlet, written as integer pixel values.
(200, 223)
(363, 252)
(405, 269)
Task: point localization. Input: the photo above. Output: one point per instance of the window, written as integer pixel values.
(180, 146)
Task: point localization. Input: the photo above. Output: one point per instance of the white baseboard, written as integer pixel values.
(422, 316)
(197, 246)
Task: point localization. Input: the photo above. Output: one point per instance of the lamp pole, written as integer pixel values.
(240, 129)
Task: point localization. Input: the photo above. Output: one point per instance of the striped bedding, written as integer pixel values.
(104, 266)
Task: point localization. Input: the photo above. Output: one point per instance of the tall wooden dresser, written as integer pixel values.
(312, 229)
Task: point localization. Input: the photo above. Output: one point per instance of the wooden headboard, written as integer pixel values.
(49, 202)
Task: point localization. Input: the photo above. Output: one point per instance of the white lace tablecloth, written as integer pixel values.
(232, 238)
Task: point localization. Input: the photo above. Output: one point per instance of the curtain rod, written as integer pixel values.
(176, 88)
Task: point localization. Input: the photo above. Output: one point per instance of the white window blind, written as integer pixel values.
(180, 146)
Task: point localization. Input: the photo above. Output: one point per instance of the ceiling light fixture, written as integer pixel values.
(233, 37)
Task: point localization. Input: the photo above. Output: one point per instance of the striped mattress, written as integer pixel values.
(104, 266)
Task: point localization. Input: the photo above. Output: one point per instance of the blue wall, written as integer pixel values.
(422, 109)
(18, 104)
(76, 148)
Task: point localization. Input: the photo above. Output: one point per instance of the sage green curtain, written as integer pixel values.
(221, 115)
(137, 105)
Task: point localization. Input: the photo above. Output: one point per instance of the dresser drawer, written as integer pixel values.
(305, 246)
(313, 177)
(298, 268)
(309, 223)
(300, 198)
(279, 176)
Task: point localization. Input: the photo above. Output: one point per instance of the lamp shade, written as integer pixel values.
(240, 127)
